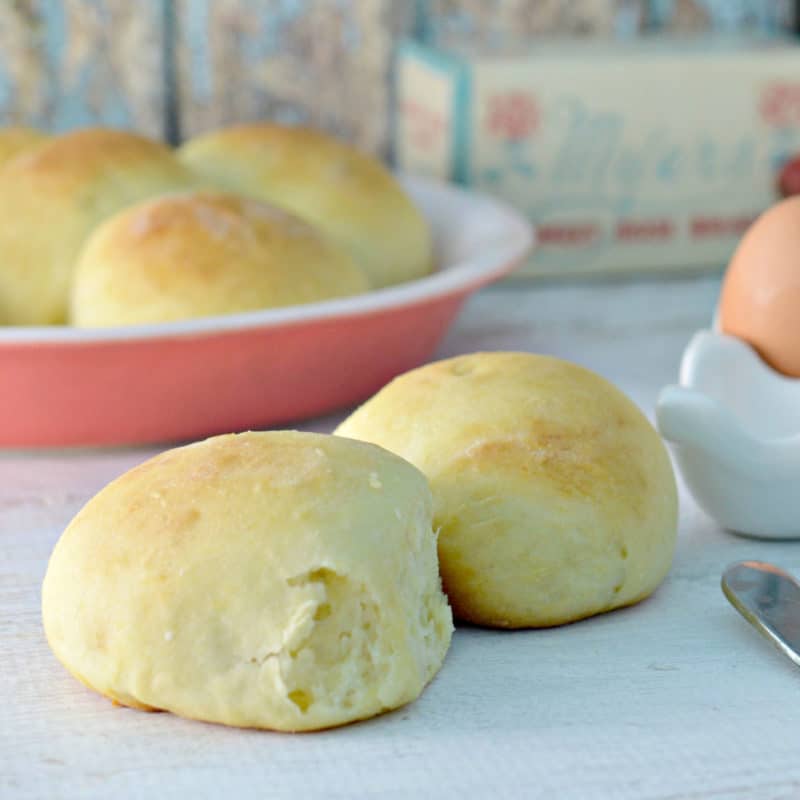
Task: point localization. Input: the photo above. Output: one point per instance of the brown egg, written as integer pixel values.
(760, 300)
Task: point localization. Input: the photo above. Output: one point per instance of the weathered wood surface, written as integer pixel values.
(674, 698)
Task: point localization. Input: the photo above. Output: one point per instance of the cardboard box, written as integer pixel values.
(648, 155)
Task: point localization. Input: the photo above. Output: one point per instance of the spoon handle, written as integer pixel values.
(769, 599)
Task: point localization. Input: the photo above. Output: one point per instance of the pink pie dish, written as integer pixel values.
(63, 386)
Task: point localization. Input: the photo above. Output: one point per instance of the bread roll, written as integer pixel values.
(273, 580)
(554, 496)
(347, 194)
(199, 254)
(52, 196)
(15, 140)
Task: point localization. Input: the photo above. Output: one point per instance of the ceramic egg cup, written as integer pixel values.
(734, 424)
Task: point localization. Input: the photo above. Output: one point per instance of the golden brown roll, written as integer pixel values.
(51, 198)
(200, 254)
(554, 495)
(14, 140)
(274, 580)
(347, 194)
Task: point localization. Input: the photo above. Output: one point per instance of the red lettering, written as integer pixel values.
(645, 230)
(704, 227)
(426, 126)
(512, 115)
(568, 234)
(780, 105)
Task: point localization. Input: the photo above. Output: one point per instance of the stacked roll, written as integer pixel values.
(104, 227)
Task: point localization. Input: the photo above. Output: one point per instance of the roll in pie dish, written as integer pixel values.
(77, 182)
(53, 194)
(204, 254)
(345, 193)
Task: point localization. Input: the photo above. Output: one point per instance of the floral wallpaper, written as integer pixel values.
(176, 67)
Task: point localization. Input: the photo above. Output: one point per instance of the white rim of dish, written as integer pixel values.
(481, 268)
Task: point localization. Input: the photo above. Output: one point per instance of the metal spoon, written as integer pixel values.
(769, 599)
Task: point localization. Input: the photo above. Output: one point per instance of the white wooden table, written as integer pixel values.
(674, 698)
